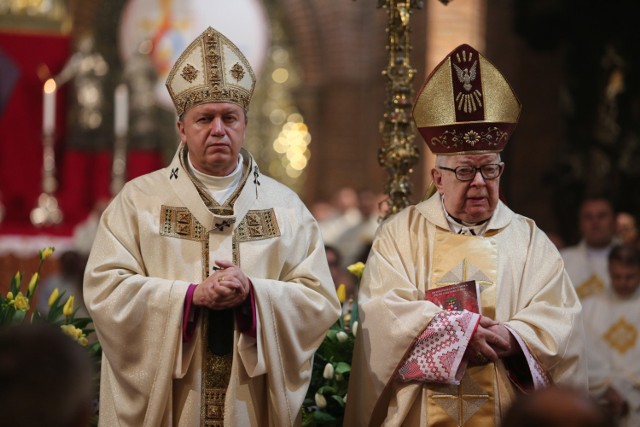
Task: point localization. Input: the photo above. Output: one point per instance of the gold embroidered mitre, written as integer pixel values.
(211, 69)
(466, 106)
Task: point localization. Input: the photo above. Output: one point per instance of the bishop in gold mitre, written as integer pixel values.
(208, 282)
(418, 362)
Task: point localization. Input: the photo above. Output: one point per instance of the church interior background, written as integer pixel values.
(317, 114)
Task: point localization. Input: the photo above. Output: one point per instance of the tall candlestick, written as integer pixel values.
(49, 107)
(121, 111)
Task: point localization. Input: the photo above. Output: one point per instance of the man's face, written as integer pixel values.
(214, 134)
(626, 227)
(470, 201)
(597, 223)
(625, 278)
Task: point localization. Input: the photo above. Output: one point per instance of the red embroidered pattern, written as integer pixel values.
(438, 351)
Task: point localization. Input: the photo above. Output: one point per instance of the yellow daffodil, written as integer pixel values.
(9, 296)
(356, 269)
(17, 277)
(67, 310)
(33, 283)
(21, 302)
(46, 253)
(72, 331)
(69, 330)
(328, 371)
(342, 293)
(53, 296)
(75, 333)
(320, 401)
(79, 333)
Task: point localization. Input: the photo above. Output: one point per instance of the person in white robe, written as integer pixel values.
(612, 325)
(586, 263)
(208, 282)
(417, 364)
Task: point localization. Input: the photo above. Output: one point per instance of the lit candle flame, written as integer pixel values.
(50, 86)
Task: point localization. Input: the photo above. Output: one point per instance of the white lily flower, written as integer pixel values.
(320, 401)
(328, 371)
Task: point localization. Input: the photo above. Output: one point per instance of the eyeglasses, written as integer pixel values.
(468, 173)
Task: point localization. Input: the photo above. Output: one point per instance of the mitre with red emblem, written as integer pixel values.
(466, 106)
(211, 69)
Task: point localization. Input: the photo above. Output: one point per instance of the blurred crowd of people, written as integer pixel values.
(604, 267)
(348, 223)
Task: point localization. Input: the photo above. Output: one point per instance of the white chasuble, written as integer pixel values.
(157, 237)
(523, 285)
(587, 268)
(612, 326)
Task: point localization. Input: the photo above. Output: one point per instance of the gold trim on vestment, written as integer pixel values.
(471, 403)
(216, 372)
(591, 286)
(258, 225)
(458, 258)
(179, 222)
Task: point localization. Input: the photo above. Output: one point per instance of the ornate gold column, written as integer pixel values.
(398, 155)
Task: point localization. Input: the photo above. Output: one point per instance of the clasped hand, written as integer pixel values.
(226, 287)
(491, 341)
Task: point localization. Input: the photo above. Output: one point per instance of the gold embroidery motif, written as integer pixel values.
(463, 401)
(178, 222)
(471, 137)
(450, 139)
(258, 225)
(621, 336)
(216, 376)
(189, 73)
(237, 72)
(205, 259)
(589, 287)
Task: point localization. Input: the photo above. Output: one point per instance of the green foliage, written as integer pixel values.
(16, 305)
(326, 398)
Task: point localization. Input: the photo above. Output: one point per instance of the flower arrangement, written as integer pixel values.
(327, 395)
(15, 308)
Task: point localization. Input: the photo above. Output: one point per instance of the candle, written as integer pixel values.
(49, 107)
(121, 110)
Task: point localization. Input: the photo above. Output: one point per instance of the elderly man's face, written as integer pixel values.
(470, 201)
(214, 133)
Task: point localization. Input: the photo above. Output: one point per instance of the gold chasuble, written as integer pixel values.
(163, 232)
(522, 284)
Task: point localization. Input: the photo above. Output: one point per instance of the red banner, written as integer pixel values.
(22, 57)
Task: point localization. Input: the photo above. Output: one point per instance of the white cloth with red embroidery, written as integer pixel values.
(438, 355)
